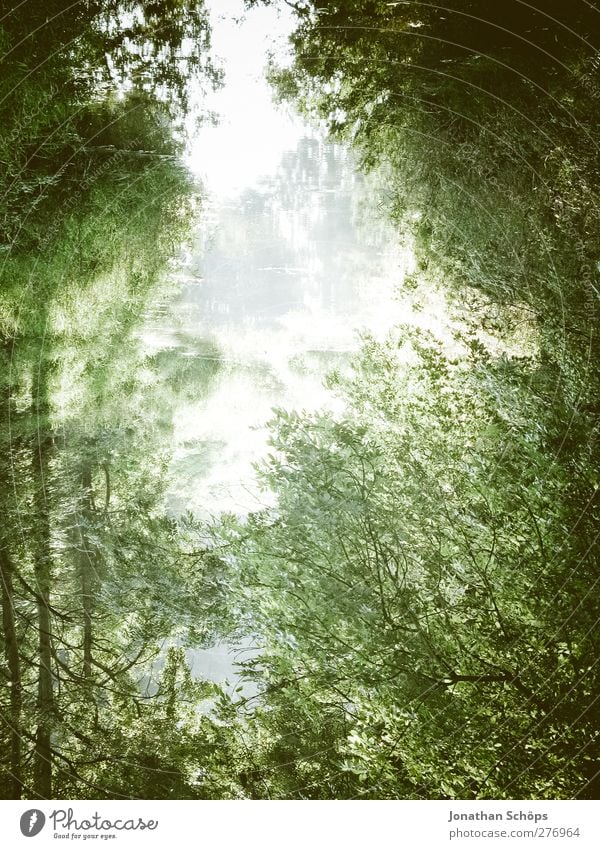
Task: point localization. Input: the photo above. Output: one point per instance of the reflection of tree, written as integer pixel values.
(294, 235)
(156, 47)
(484, 117)
(95, 206)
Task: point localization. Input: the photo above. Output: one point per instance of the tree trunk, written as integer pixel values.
(42, 444)
(87, 566)
(9, 629)
(13, 662)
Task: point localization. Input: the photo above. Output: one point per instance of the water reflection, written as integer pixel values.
(283, 277)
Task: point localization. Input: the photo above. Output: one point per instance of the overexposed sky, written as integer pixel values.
(287, 269)
(251, 135)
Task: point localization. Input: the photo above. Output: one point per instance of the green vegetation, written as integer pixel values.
(425, 604)
(425, 589)
(95, 206)
(423, 592)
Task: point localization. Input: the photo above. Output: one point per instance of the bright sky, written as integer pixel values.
(251, 135)
(219, 437)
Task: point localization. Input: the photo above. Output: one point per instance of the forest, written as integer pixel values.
(423, 591)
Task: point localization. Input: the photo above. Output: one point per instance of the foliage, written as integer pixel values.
(94, 589)
(484, 115)
(426, 574)
(157, 47)
(83, 84)
(421, 595)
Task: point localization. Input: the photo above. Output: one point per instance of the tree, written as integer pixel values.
(483, 116)
(415, 592)
(154, 46)
(93, 580)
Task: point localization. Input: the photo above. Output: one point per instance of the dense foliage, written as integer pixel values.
(485, 116)
(422, 595)
(94, 205)
(425, 590)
